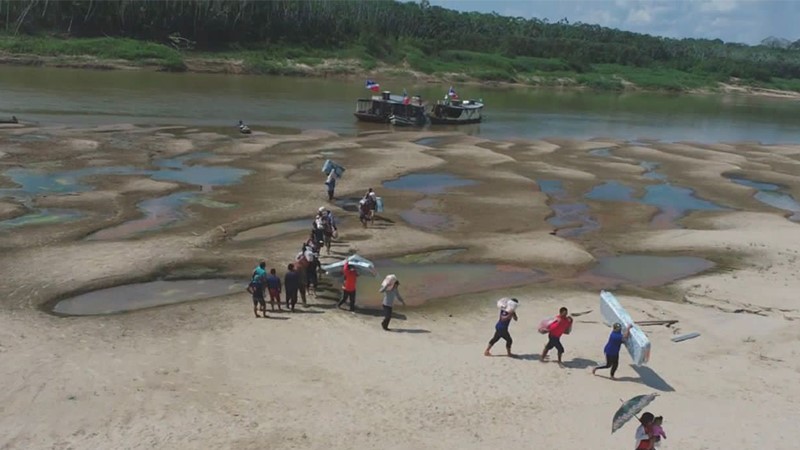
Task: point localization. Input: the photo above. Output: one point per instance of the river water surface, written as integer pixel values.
(85, 97)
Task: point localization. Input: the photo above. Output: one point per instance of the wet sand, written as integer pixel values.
(206, 374)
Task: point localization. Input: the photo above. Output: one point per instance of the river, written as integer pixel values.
(52, 96)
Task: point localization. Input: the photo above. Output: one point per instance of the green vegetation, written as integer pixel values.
(104, 48)
(306, 37)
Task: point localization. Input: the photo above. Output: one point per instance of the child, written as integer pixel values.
(657, 431)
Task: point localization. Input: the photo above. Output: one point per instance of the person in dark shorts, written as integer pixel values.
(615, 341)
(291, 282)
(349, 286)
(501, 331)
(274, 289)
(561, 326)
(256, 288)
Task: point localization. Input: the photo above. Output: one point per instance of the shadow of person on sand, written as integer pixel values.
(579, 363)
(527, 357)
(409, 330)
(647, 377)
(375, 313)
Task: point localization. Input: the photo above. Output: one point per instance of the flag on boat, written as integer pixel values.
(406, 99)
(452, 93)
(373, 86)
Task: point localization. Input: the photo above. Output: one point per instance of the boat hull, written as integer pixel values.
(448, 121)
(372, 118)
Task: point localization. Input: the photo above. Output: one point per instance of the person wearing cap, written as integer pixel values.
(615, 341)
(391, 292)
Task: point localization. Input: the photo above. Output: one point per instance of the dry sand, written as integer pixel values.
(206, 374)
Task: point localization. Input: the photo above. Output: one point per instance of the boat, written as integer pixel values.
(12, 120)
(404, 121)
(456, 112)
(398, 110)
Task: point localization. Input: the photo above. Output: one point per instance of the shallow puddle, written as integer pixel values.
(771, 194)
(428, 281)
(209, 203)
(42, 217)
(602, 152)
(181, 170)
(419, 217)
(433, 142)
(570, 219)
(611, 191)
(158, 213)
(650, 172)
(643, 270)
(275, 229)
(131, 297)
(673, 202)
(36, 181)
(428, 183)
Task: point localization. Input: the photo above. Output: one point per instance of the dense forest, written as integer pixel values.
(426, 38)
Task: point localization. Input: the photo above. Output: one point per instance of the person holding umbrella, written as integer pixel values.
(644, 432)
(628, 410)
(615, 341)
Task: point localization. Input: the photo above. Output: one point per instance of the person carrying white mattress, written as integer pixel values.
(615, 341)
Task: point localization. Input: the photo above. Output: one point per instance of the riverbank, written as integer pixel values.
(127, 54)
(205, 373)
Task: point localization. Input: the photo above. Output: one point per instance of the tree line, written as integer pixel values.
(384, 28)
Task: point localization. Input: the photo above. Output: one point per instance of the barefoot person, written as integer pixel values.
(561, 326)
(274, 289)
(391, 291)
(615, 341)
(501, 330)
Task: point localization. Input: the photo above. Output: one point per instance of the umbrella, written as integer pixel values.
(630, 409)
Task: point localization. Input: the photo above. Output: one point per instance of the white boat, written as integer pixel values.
(362, 265)
(637, 344)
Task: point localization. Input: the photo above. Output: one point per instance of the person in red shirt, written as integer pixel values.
(349, 286)
(562, 325)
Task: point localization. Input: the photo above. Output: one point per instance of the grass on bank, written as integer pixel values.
(102, 48)
(456, 65)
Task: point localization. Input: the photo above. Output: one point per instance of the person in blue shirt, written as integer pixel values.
(501, 331)
(615, 341)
